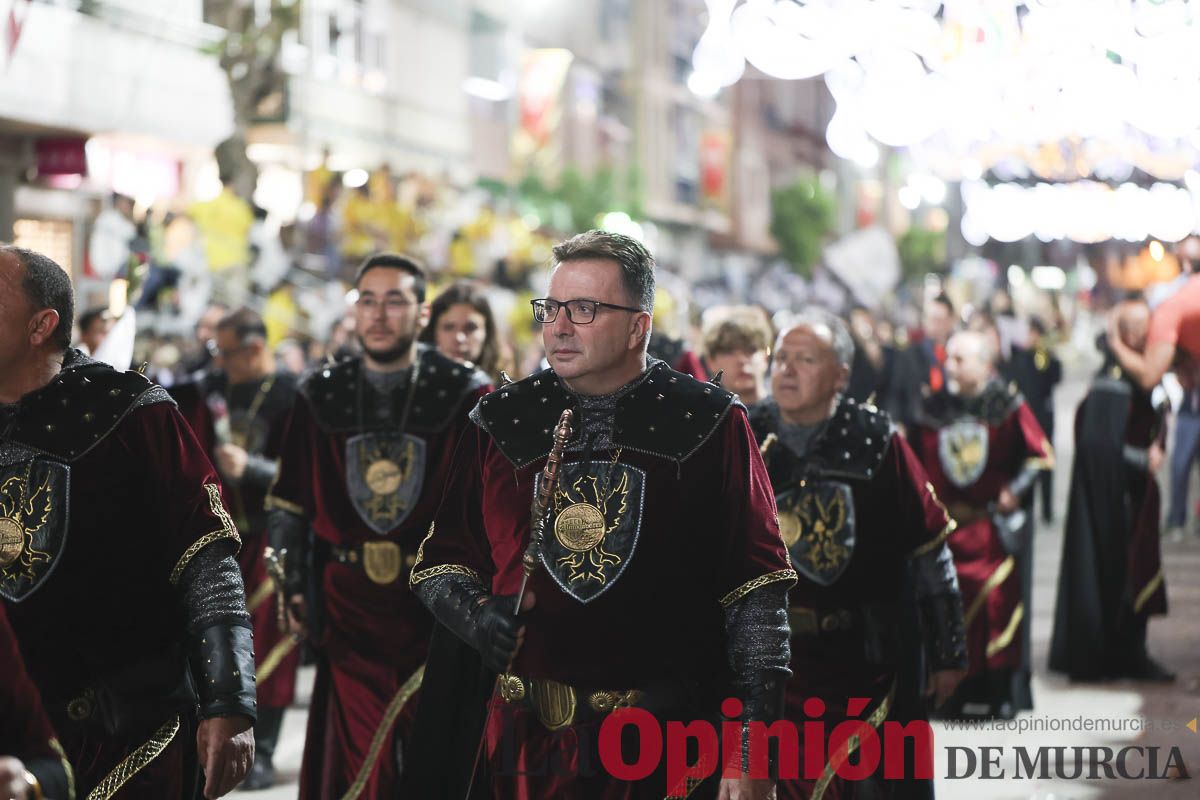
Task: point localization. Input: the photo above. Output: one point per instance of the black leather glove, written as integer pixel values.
(289, 531)
(486, 622)
(944, 631)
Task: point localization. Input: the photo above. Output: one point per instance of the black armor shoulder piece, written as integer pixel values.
(332, 391)
(520, 417)
(997, 403)
(855, 441)
(84, 403)
(994, 405)
(669, 414)
(442, 385)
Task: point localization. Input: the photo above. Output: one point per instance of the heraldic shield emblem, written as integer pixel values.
(963, 451)
(384, 472)
(34, 513)
(595, 520)
(816, 520)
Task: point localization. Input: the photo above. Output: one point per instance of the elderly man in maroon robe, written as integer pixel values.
(117, 560)
(983, 450)
(1111, 581)
(237, 414)
(867, 535)
(365, 456)
(662, 577)
(32, 762)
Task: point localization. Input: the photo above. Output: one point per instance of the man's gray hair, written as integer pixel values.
(827, 324)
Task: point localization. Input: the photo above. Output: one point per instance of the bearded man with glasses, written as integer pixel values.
(662, 580)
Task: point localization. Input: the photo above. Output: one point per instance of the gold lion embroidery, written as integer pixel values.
(819, 525)
(583, 521)
(18, 557)
(384, 476)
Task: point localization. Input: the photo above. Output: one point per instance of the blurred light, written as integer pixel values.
(1086, 276)
(703, 85)
(531, 221)
(910, 198)
(867, 156)
(1156, 250)
(1051, 279)
(355, 178)
(306, 211)
(620, 222)
(1016, 276)
(352, 297)
(485, 89)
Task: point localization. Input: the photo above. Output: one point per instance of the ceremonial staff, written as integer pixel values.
(539, 513)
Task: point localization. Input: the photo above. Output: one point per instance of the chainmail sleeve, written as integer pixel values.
(212, 588)
(220, 644)
(757, 636)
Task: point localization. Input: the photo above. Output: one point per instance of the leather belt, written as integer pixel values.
(814, 622)
(382, 560)
(558, 705)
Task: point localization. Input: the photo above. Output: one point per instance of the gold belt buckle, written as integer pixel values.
(512, 688)
(604, 702)
(381, 560)
(553, 702)
(803, 621)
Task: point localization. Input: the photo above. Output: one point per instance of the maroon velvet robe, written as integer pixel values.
(25, 730)
(896, 515)
(375, 636)
(708, 536)
(987, 574)
(276, 655)
(143, 500)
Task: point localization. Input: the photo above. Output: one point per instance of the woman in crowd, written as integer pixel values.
(461, 326)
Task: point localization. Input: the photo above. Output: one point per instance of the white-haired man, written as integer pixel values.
(867, 535)
(983, 450)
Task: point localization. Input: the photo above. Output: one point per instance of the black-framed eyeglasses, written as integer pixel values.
(580, 311)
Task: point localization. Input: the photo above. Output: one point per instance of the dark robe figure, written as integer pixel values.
(973, 448)
(125, 596)
(1112, 578)
(25, 730)
(251, 416)
(364, 461)
(1038, 372)
(877, 600)
(918, 375)
(647, 604)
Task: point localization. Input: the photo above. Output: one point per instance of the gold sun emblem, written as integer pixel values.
(18, 524)
(384, 476)
(582, 523)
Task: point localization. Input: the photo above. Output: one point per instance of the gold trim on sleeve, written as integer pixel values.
(759, 582)
(1148, 591)
(837, 759)
(274, 658)
(1005, 638)
(407, 690)
(936, 541)
(995, 579)
(135, 761)
(227, 531)
(274, 502)
(443, 569)
(66, 762)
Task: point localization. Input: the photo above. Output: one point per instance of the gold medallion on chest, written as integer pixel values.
(579, 527)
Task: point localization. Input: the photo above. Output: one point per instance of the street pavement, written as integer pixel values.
(1114, 715)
